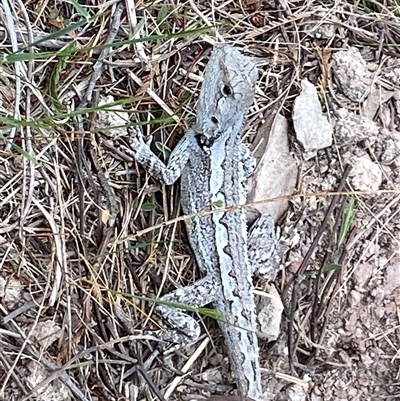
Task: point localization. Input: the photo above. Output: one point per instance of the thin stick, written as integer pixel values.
(186, 367)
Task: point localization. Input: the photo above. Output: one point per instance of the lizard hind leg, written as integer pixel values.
(261, 246)
(184, 329)
(173, 307)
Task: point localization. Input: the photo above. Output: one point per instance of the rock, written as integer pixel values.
(313, 129)
(326, 27)
(53, 391)
(392, 276)
(111, 119)
(276, 172)
(365, 174)
(351, 128)
(363, 274)
(11, 291)
(45, 333)
(269, 312)
(352, 74)
(296, 392)
(375, 100)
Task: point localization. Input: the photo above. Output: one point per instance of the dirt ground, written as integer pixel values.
(83, 228)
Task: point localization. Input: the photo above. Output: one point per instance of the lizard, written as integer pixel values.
(213, 165)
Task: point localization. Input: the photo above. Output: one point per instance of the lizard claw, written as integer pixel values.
(136, 138)
(133, 131)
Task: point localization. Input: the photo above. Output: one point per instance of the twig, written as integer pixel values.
(61, 262)
(304, 264)
(131, 12)
(186, 367)
(99, 65)
(17, 65)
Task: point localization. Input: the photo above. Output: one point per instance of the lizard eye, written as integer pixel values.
(226, 90)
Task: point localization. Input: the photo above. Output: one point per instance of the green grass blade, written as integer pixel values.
(349, 217)
(82, 11)
(54, 35)
(20, 56)
(54, 81)
(19, 149)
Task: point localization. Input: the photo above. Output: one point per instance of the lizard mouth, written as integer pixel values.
(206, 142)
(206, 136)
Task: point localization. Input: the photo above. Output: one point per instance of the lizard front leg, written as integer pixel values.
(248, 160)
(166, 174)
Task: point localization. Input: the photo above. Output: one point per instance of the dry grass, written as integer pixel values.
(81, 224)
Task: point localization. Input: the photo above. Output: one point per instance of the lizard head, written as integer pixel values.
(227, 92)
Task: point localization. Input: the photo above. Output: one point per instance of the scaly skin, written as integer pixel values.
(214, 165)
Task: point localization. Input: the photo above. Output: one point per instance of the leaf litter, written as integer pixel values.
(73, 205)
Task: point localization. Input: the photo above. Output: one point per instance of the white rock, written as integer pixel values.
(365, 175)
(313, 129)
(269, 312)
(352, 73)
(276, 172)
